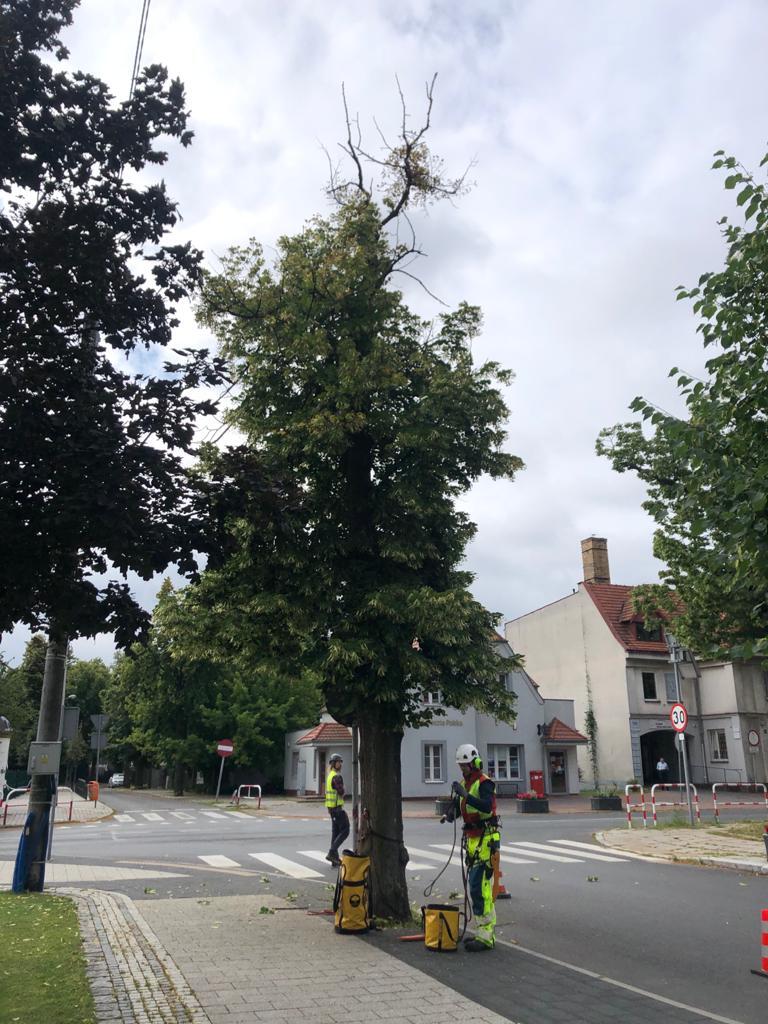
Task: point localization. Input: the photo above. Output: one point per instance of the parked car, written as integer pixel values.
(118, 779)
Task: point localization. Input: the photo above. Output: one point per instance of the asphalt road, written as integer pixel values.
(685, 934)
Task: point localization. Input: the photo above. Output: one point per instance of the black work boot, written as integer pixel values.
(476, 946)
(333, 858)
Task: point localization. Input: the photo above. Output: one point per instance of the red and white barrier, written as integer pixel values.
(763, 972)
(244, 793)
(674, 803)
(637, 805)
(751, 787)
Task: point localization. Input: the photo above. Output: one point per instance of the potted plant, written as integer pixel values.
(607, 798)
(532, 803)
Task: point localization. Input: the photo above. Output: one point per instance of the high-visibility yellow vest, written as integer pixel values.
(332, 798)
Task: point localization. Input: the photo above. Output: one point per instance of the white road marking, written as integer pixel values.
(505, 857)
(541, 852)
(123, 817)
(239, 814)
(182, 815)
(593, 854)
(649, 858)
(214, 814)
(320, 856)
(217, 860)
(619, 984)
(288, 867)
(151, 816)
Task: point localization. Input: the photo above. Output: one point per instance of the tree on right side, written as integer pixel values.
(706, 471)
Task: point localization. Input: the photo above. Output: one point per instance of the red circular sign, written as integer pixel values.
(679, 717)
(224, 748)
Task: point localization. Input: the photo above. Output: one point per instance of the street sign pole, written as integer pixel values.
(223, 748)
(676, 653)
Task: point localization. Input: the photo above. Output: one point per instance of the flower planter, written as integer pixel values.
(606, 803)
(532, 806)
(443, 805)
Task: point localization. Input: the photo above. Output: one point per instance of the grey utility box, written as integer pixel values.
(44, 758)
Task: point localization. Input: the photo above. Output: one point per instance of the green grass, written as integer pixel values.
(42, 966)
(743, 829)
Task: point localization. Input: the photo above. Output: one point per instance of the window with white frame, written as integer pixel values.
(434, 760)
(503, 762)
(294, 764)
(432, 697)
(669, 682)
(717, 744)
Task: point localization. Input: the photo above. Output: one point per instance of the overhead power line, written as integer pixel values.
(137, 57)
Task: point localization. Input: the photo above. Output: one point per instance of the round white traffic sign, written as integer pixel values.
(678, 716)
(224, 748)
(754, 738)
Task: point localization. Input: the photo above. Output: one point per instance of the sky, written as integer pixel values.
(591, 128)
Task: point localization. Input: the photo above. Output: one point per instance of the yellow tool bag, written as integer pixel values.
(352, 899)
(441, 926)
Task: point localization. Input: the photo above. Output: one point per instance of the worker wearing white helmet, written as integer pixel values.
(334, 802)
(477, 804)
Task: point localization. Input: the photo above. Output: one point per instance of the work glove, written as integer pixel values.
(459, 790)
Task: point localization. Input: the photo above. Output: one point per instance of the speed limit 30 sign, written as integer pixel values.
(678, 716)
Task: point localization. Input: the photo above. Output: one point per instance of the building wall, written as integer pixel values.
(567, 645)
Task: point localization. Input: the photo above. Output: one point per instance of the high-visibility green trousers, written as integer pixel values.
(480, 871)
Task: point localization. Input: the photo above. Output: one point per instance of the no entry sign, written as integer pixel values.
(678, 716)
(224, 748)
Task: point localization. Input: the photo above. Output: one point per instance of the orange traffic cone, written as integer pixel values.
(499, 891)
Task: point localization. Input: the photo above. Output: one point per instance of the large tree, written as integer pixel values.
(706, 471)
(364, 423)
(93, 427)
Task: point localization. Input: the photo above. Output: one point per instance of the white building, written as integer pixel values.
(542, 739)
(592, 646)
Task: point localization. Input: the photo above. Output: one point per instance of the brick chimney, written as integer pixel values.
(594, 557)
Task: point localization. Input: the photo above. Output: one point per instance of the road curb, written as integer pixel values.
(730, 863)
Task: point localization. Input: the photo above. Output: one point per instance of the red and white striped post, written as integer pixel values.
(763, 972)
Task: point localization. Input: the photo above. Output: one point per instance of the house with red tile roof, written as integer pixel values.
(593, 646)
(543, 739)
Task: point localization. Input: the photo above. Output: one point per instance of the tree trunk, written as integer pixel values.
(43, 786)
(178, 778)
(382, 799)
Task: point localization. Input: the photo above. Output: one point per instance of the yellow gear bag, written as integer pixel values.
(440, 922)
(352, 899)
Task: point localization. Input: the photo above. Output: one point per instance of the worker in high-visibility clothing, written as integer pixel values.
(334, 801)
(477, 804)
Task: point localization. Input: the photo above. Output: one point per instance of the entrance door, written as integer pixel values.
(558, 782)
(321, 773)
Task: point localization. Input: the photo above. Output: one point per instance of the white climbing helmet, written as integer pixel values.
(466, 754)
(335, 757)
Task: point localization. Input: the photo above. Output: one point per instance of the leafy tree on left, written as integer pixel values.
(91, 447)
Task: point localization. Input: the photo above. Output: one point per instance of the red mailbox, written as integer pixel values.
(537, 782)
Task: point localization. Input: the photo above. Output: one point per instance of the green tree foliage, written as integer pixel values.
(707, 471)
(170, 703)
(91, 451)
(364, 423)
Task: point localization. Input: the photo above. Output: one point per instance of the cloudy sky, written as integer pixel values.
(592, 125)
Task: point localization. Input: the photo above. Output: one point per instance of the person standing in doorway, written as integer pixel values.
(662, 770)
(334, 801)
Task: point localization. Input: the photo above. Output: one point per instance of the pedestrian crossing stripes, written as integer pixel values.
(512, 854)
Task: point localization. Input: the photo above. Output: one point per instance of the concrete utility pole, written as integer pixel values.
(43, 788)
(676, 653)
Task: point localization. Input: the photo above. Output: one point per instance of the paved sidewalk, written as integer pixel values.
(248, 960)
(70, 807)
(701, 845)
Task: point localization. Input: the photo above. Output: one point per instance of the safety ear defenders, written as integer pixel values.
(477, 763)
